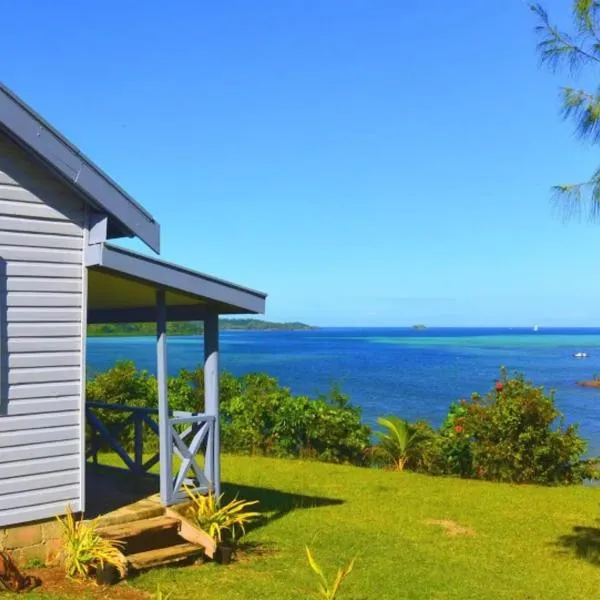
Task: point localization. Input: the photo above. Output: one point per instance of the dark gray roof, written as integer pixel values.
(27, 128)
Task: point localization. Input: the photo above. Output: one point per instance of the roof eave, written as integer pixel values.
(31, 131)
(234, 298)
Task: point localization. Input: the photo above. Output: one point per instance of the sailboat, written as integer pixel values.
(536, 327)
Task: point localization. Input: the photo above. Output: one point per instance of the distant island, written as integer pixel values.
(420, 327)
(191, 327)
(590, 383)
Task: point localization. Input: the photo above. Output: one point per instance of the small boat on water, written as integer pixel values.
(536, 327)
(580, 355)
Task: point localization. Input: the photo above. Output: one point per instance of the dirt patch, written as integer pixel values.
(55, 582)
(450, 527)
(247, 551)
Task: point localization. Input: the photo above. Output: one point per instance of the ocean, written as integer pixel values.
(413, 374)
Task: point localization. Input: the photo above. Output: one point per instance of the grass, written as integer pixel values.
(509, 542)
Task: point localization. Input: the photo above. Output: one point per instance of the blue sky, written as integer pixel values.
(364, 162)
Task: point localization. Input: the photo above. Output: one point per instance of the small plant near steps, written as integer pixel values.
(221, 521)
(85, 551)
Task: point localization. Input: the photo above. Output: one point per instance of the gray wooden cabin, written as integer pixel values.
(58, 273)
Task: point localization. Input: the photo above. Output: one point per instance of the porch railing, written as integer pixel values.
(190, 434)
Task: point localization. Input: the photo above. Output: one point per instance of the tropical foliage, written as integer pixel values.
(218, 519)
(83, 549)
(328, 591)
(258, 416)
(401, 444)
(579, 51)
(514, 433)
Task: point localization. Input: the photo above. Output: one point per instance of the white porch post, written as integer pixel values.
(164, 427)
(211, 398)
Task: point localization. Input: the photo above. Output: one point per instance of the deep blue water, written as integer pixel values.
(415, 374)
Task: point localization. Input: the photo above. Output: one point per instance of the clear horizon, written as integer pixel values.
(360, 163)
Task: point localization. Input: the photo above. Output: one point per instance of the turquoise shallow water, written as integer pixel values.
(415, 374)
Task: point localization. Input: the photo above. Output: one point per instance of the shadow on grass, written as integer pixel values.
(274, 504)
(584, 542)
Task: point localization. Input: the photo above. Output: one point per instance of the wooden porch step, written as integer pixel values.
(164, 556)
(144, 534)
(146, 508)
(155, 525)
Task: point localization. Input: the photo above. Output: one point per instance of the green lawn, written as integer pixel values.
(524, 541)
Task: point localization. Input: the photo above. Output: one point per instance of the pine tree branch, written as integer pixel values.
(559, 45)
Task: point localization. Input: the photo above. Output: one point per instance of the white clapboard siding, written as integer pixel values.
(38, 240)
(36, 269)
(39, 465)
(45, 344)
(53, 197)
(42, 285)
(31, 451)
(33, 226)
(41, 257)
(41, 436)
(35, 299)
(39, 482)
(46, 299)
(13, 208)
(28, 375)
(18, 360)
(35, 513)
(31, 422)
(54, 330)
(44, 315)
(44, 255)
(50, 390)
(42, 406)
(36, 497)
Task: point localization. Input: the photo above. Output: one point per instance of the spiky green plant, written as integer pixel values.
(399, 442)
(218, 519)
(83, 548)
(327, 591)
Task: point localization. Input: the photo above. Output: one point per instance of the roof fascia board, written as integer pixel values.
(33, 132)
(177, 278)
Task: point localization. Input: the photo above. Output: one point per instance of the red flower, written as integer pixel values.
(499, 386)
(459, 428)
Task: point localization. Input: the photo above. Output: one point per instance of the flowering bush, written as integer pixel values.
(514, 433)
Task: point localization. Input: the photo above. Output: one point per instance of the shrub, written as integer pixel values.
(402, 444)
(514, 433)
(83, 549)
(217, 519)
(261, 417)
(258, 416)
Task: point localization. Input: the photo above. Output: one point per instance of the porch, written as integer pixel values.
(125, 287)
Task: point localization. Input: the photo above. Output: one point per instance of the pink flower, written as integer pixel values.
(459, 428)
(499, 386)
